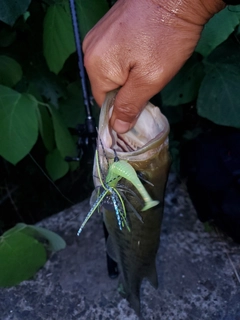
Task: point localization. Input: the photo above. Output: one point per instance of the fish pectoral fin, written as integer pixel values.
(110, 249)
(152, 275)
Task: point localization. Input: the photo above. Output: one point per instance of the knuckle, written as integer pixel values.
(90, 62)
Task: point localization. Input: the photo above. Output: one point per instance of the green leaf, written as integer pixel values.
(55, 242)
(183, 88)
(71, 108)
(26, 15)
(218, 29)
(89, 13)
(46, 127)
(220, 104)
(18, 124)
(227, 52)
(238, 31)
(10, 71)
(11, 10)
(64, 140)
(58, 39)
(7, 36)
(21, 257)
(47, 84)
(56, 166)
(219, 94)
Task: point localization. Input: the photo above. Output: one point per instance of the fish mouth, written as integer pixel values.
(150, 127)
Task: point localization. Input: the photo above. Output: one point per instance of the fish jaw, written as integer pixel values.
(145, 148)
(150, 130)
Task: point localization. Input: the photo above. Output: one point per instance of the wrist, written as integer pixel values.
(194, 11)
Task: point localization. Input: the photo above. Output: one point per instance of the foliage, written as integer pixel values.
(40, 93)
(58, 39)
(218, 30)
(11, 10)
(40, 100)
(187, 83)
(23, 250)
(10, 71)
(222, 72)
(37, 72)
(39, 90)
(209, 82)
(18, 124)
(213, 80)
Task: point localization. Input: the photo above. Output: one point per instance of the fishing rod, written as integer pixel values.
(87, 132)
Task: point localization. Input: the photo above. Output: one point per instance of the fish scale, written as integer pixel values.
(135, 251)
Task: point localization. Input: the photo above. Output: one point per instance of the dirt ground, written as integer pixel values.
(197, 272)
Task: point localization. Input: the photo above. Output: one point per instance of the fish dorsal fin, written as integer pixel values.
(110, 249)
(152, 275)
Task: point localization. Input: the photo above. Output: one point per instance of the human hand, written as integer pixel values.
(138, 46)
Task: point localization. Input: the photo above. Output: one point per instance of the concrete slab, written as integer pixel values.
(195, 270)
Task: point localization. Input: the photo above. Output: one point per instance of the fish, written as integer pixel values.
(145, 148)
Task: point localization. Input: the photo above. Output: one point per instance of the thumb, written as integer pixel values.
(130, 101)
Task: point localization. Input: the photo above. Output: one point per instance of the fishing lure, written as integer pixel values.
(109, 189)
(122, 169)
(116, 171)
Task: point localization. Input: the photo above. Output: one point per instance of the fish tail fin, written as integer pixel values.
(134, 302)
(133, 296)
(152, 275)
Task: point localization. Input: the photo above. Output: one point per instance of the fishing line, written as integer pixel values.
(45, 174)
(103, 149)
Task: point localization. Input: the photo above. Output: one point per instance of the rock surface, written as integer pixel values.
(197, 271)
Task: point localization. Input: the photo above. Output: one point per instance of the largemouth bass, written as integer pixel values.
(145, 147)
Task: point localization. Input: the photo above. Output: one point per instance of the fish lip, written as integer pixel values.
(154, 144)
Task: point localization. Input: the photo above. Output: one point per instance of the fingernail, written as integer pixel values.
(121, 126)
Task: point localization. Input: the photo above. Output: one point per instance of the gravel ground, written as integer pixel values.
(197, 272)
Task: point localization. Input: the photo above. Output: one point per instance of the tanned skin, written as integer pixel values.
(138, 46)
